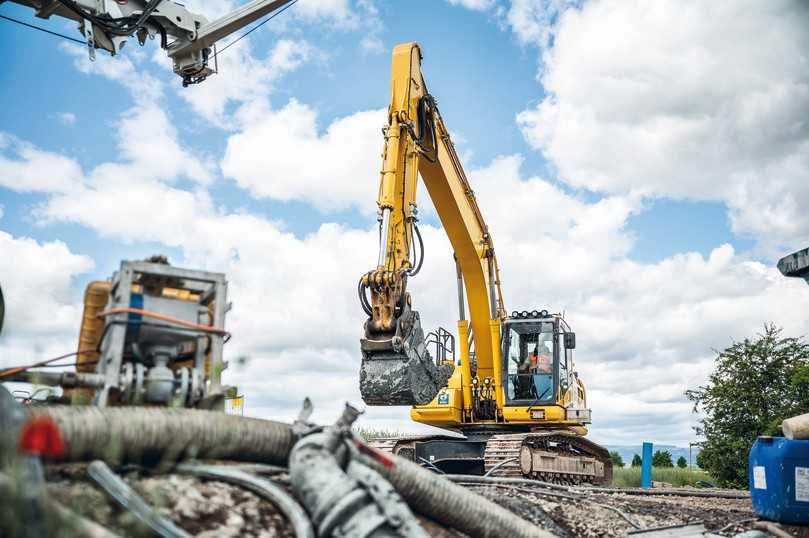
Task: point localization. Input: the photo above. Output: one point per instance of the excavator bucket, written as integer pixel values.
(398, 369)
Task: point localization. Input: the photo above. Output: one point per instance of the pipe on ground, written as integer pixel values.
(151, 435)
(796, 427)
(453, 505)
(154, 435)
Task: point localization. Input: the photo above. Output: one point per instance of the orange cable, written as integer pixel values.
(162, 317)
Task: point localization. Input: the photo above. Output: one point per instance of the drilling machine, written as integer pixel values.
(514, 393)
(152, 335)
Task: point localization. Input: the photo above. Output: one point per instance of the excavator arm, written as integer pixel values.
(396, 367)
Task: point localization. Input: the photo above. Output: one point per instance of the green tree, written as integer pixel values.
(700, 460)
(636, 461)
(681, 462)
(755, 384)
(617, 460)
(662, 459)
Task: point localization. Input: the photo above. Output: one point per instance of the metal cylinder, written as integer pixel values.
(492, 294)
(461, 309)
(383, 238)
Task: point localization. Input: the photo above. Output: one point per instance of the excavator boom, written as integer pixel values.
(397, 369)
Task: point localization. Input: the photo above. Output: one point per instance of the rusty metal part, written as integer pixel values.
(559, 457)
(125, 496)
(387, 296)
(264, 488)
(398, 369)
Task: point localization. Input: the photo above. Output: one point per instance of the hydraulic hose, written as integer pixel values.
(152, 435)
(293, 511)
(453, 505)
(126, 497)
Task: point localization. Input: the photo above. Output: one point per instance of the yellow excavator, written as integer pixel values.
(511, 390)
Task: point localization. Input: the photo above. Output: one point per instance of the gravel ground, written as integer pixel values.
(213, 509)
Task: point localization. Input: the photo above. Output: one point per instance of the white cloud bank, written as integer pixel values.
(282, 154)
(42, 309)
(701, 100)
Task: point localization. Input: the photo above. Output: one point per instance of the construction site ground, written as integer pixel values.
(216, 509)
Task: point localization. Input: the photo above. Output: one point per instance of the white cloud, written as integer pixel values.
(475, 5)
(67, 118)
(243, 78)
(645, 331)
(703, 112)
(142, 86)
(25, 168)
(282, 154)
(148, 139)
(534, 21)
(42, 313)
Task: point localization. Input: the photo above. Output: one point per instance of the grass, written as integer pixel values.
(629, 477)
(369, 434)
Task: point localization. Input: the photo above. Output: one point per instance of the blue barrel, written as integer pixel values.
(779, 479)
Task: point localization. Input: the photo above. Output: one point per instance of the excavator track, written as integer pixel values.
(557, 457)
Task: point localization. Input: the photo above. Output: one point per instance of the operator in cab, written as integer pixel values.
(541, 360)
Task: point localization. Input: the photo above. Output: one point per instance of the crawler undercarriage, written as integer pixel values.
(554, 456)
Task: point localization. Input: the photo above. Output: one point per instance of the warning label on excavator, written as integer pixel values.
(443, 398)
(802, 484)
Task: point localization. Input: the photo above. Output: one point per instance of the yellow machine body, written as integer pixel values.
(510, 385)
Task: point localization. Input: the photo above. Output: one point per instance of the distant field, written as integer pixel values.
(629, 477)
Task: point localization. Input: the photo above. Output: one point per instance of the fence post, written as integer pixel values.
(646, 466)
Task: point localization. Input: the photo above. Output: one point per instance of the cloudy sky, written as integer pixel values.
(642, 165)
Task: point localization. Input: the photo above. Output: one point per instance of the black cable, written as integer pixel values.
(366, 306)
(122, 26)
(415, 271)
(57, 34)
(426, 118)
(256, 27)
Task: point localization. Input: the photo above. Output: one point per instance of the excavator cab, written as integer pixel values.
(537, 357)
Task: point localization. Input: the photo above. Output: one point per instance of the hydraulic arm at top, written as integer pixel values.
(396, 367)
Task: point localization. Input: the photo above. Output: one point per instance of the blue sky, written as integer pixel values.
(632, 193)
